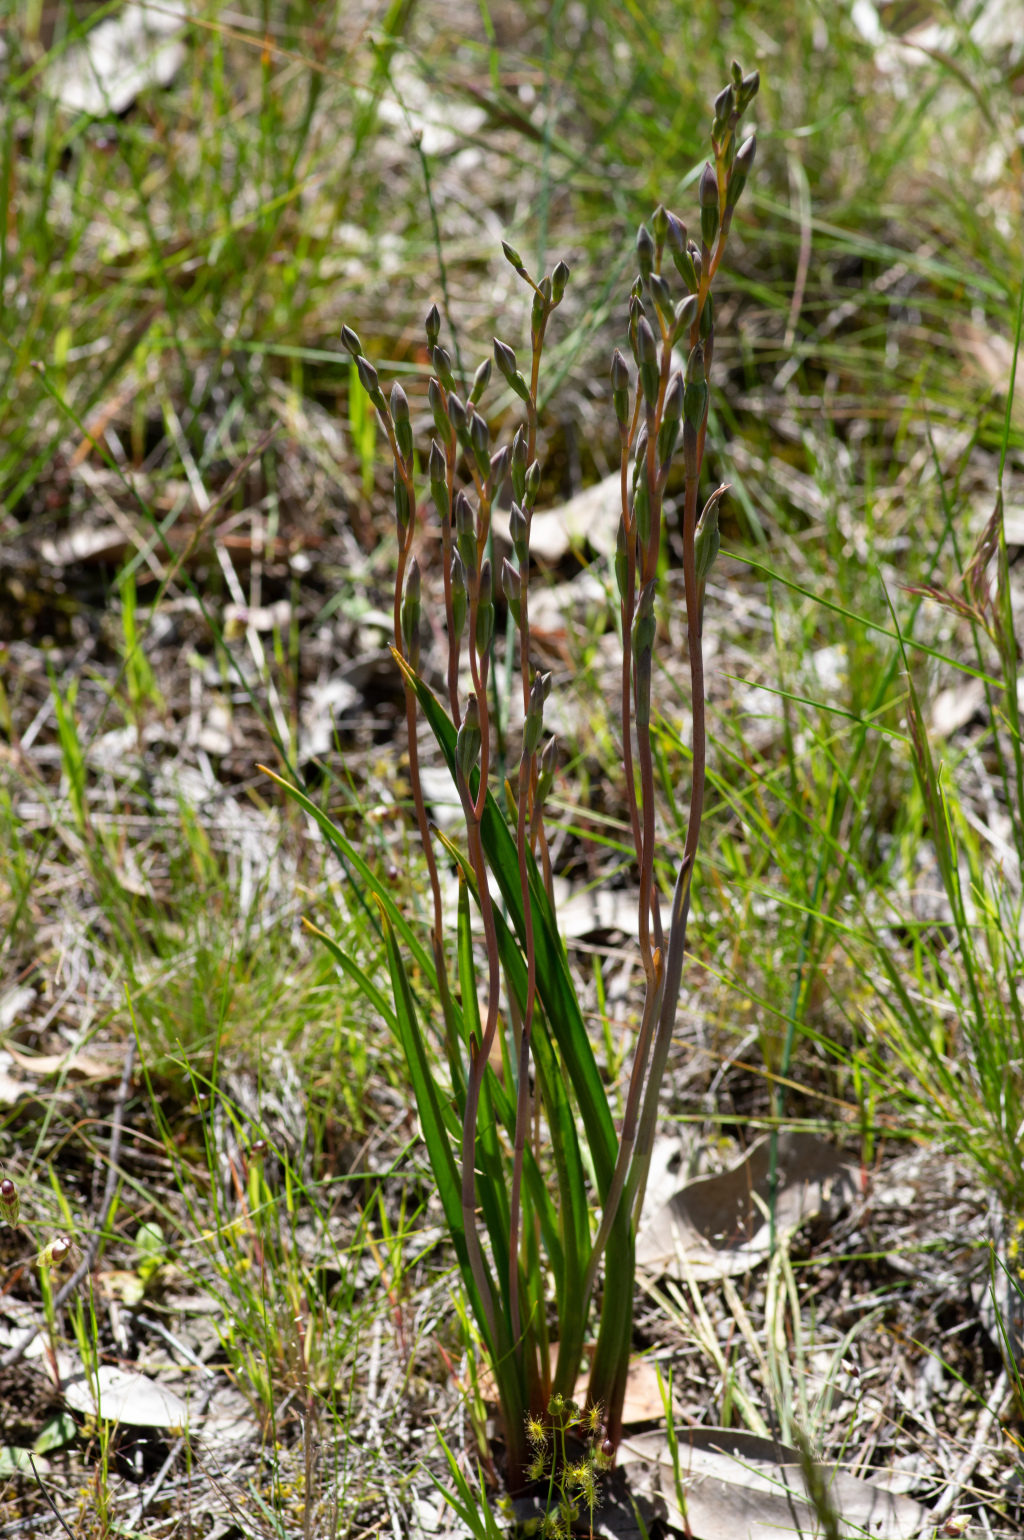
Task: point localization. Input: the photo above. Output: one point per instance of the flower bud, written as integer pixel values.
(481, 380)
(559, 279)
(534, 724)
(686, 270)
(707, 317)
(685, 315)
(10, 1204)
(642, 508)
(620, 388)
(741, 169)
(457, 417)
(659, 223)
(695, 257)
(695, 392)
(644, 629)
(411, 615)
(465, 528)
(402, 505)
(505, 358)
(723, 103)
(749, 86)
(639, 453)
(350, 340)
(662, 296)
(645, 251)
(707, 542)
(499, 466)
(520, 450)
(736, 70)
(548, 766)
(675, 235)
(647, 354)
(460, 596)
(484, 610)
(479, 439)
(467, 744)
(621, 560)
(400, 418)
(56, 1253)
(511, 255)
(435, 396)
(512, 587)
(519, 534)
(432, 326)
(540, 306)
(532, 484)
(368, 380)
(439, 482)
(708, 206)
(443, 367)
(671, 413)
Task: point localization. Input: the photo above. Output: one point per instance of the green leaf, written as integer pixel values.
(55, 1433)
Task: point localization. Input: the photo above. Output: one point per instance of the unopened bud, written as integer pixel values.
(499, 466)
(639, 453)
(465, 529)
(511, 255)
(505, 358)
(548, 766)
(460, 596)
(675, 234)
(368, 380)
(411, 615)
(259, 1149)
(432, 326)
(647, 354)
(695, 257)
(480, 381)
(439, 482)
(723, 103)
(559, 279)
(749, 86)
(671, 414)
(403, 507)
(520, 450)
(695, 392)
(512, 587)
(686, 270)
(741, 169)
(457, 417)
(519, 533)
(480, 439)
(659, 224)
(56, 1253)
(435, 396)
(467, 744)
(534, 723)
(484, 611)
(642, 508)
(708, 206)
(532, 484)
(707, 317)
(645, 251)
(10, 1204)
(685, 315)
(443, 367)
(707, 542)
(350, 340)
(620, 388)
(400, 418)
(662, 296)
(621, 560)
(644, 629)
(539, 309)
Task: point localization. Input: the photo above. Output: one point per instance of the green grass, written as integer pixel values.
(181, 274)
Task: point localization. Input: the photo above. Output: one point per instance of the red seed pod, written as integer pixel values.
(10, 1206)
(608, 1449)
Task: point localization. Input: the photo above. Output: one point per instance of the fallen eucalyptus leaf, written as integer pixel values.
(127, 1397)
(738, 1486)
(716, 1222)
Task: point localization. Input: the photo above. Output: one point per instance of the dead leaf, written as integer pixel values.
(717, 1225)
(591, 518)
(738, 1486)
(125, 1396)
(81, 1064)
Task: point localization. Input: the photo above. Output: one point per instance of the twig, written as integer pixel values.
(965, 1470)
(17, 1352)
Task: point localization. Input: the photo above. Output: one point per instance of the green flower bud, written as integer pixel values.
(544, 289)
(620, 388)
(403, 508)
(460, 596)
(707, 541)
(559, 279)
(520, 450)
(467, 744)
(723, 103)
(645, 251)
(741, 169)
(647, 355)
(540, 306)
(659, 223)
(695, 393)
(512, 587)
(675, 235)
(640, 454)
(621, 560)
(686, 270)
(435, 396)
(432, 326)
(499, 466)
(400, 418)
(439, 482)
(662, 296)
(368, 380)
(511, 255)
(484, 611)
(411, 615)
(696, 259)
(480, 439)
(685, 315)
(465, 528)
(534, 724)
(443, 367)
(708, 206)
(737, 73)
(519, 534)
(505, 358)
(672, 411)
(636, 314)
(644, 630)
(532, 484)
(548, 766)
(480, 381)
(642, 509)
(749, 87)
(457, 418)
(350, 340)
(10, 1204)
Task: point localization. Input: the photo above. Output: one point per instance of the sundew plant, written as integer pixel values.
(507, 1143)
